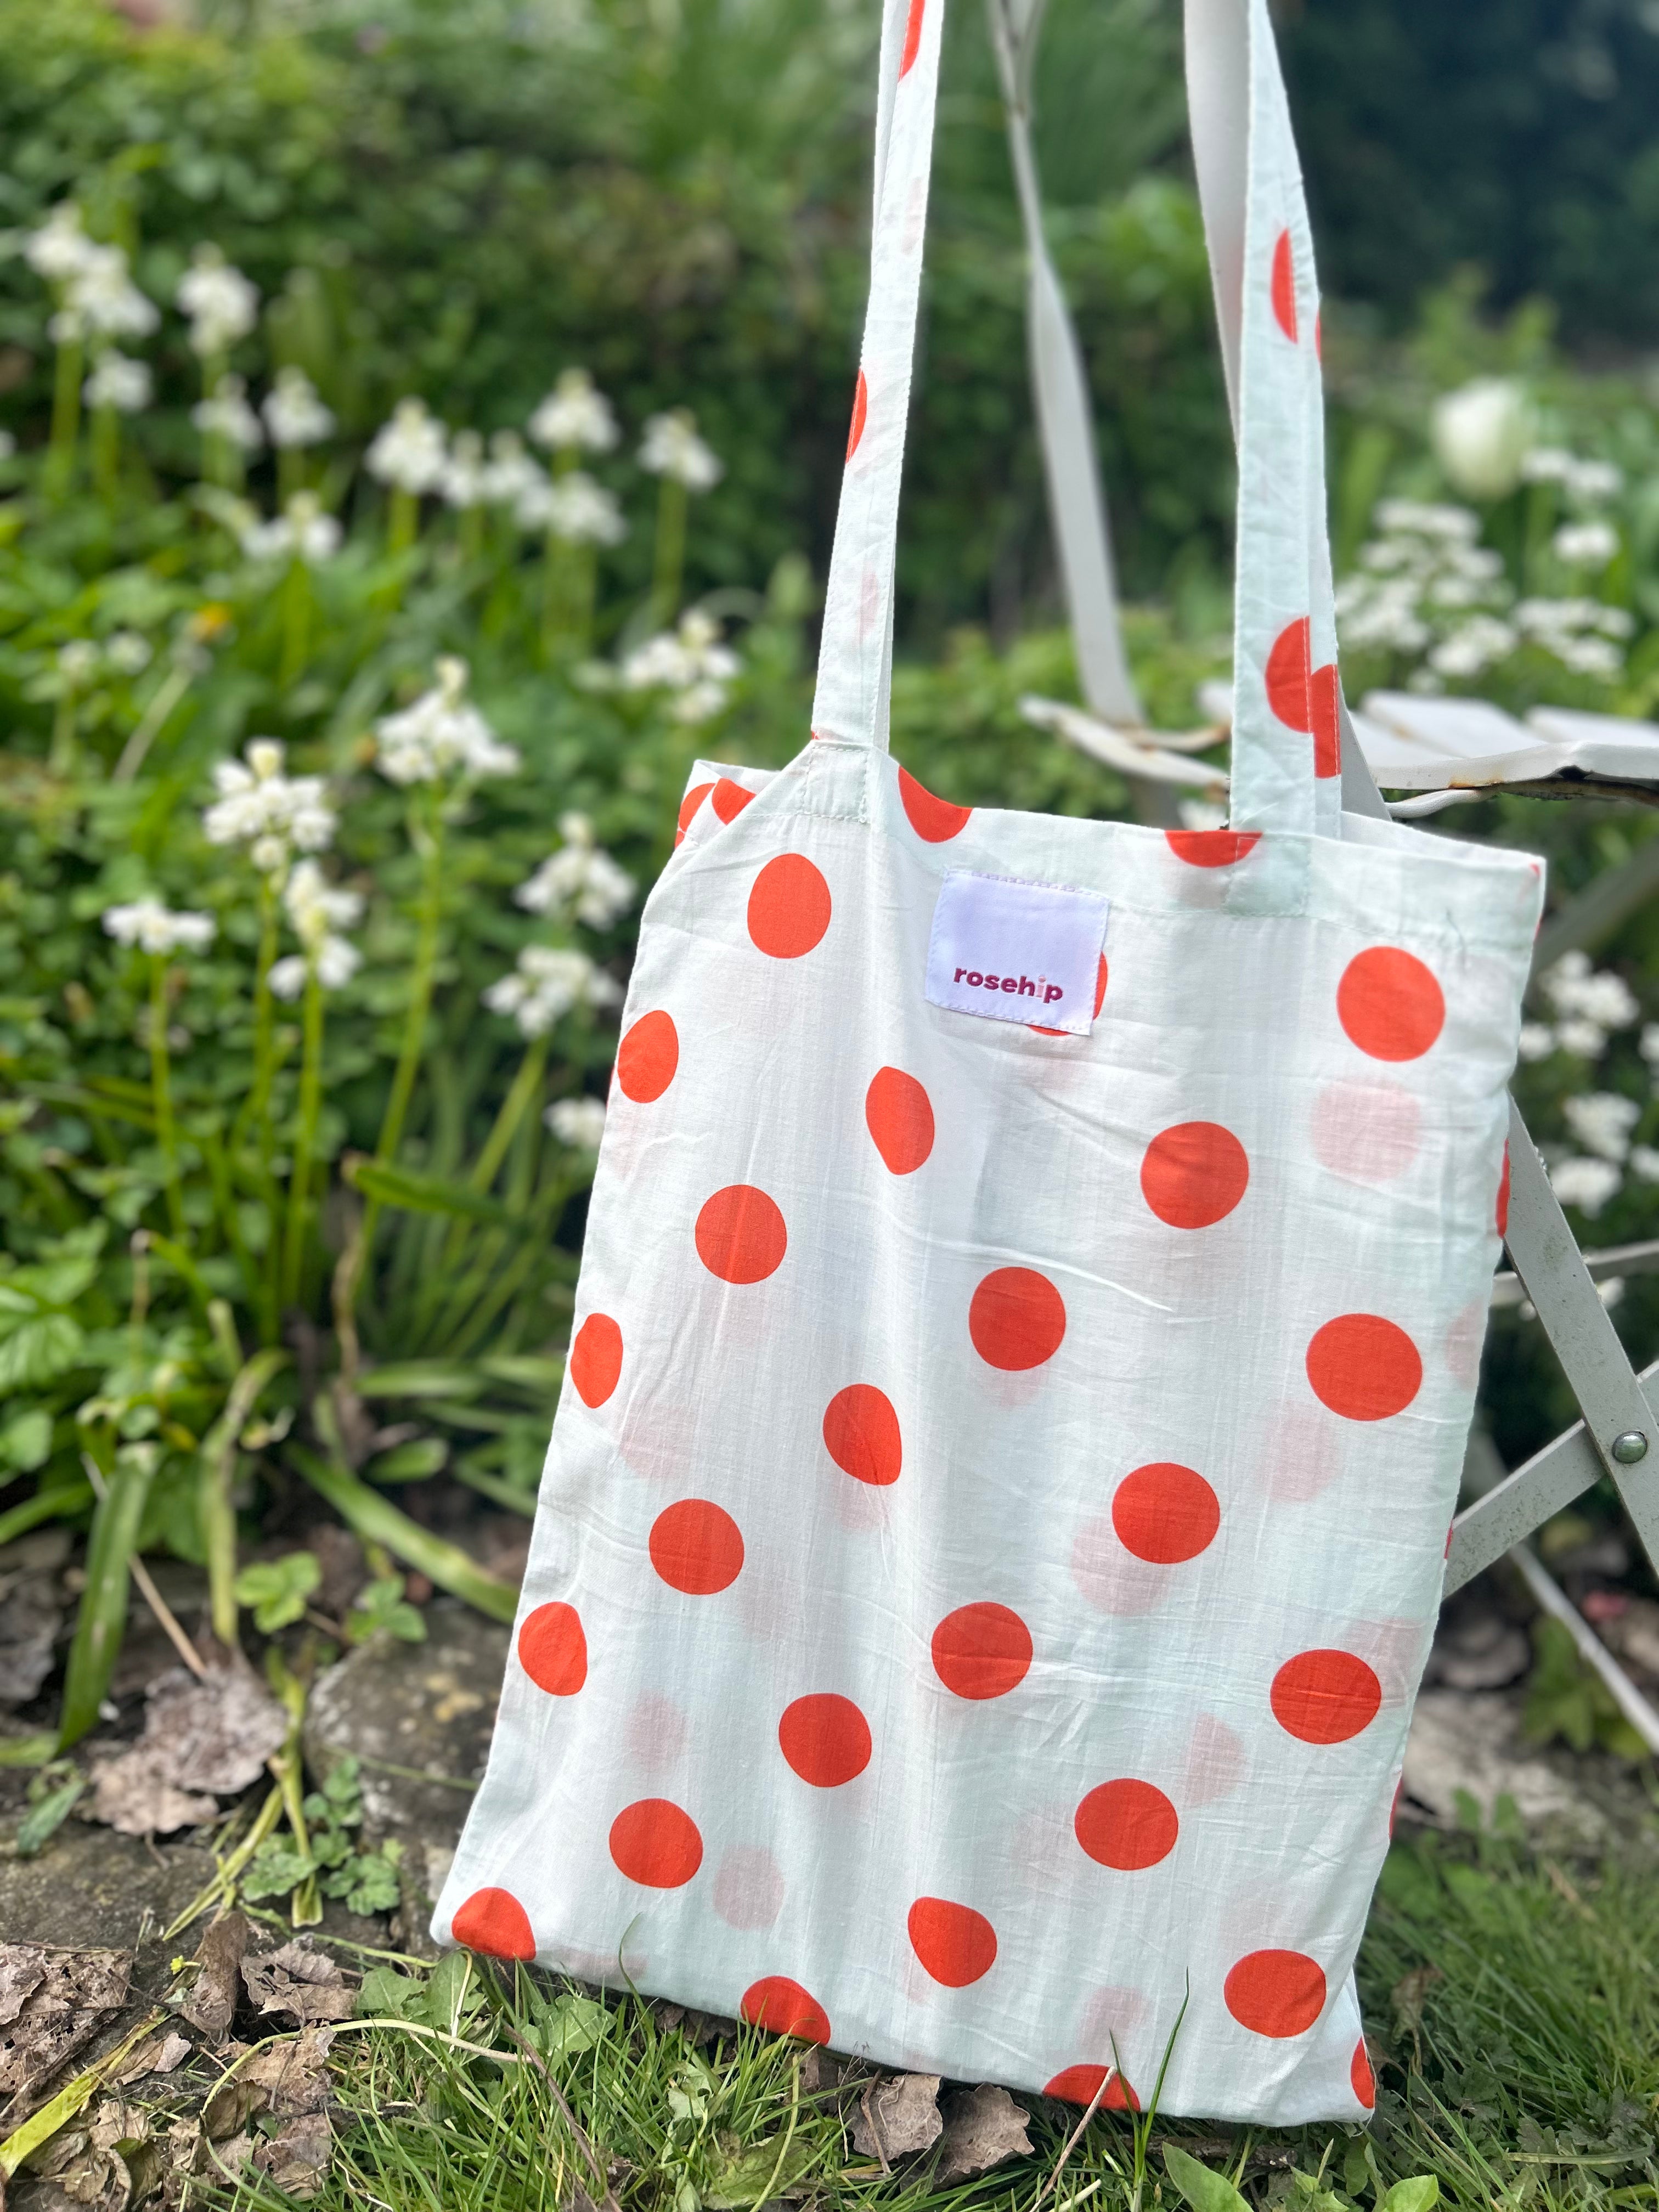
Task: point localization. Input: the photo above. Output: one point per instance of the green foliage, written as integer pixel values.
(365, 1881)
(380, 1604)
(276, 1591)
(1568, 1702)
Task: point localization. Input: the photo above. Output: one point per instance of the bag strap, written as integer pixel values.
(1286, 723)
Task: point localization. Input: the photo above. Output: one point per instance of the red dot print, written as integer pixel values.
(1360, 2075)
(1363, 1367)
(728, 799)
(1017, 1319)
(861, 409)
(1325, 1697)
(1283, 285)
(933, 820)
(647, 1057)
(788, 908)
(1126, 1825)
(689, 805)
(1037, 1028)
(1503, 1209)
(982, 1650)
(1324, 697)
(826, 1739)
(596, 1358)
(900, 1118)
(911, 37)
(696, 1546)
(494, 1922)
(655, 1844)
(955, 1944)
(1165, 1513)
(862, 1435)
(783, 2008)
(1390, 1004)
(1279, 1993)
(1211, 848)
(1286, 675)
(741, 1235)
(553, 1650)
(1194, 1175)
(1081, 2085)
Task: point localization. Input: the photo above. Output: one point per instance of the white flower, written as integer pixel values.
(1587, 1184)
(408, 452)
(1647, 1044)
(302, 531)
(582, 513)
(272, 813)
(546, 983)
(226, 414)
(1481, 434)
(1573, 987)
(77, 662)
(100, 300)
(1202, 814)
(1547, 464)
(8, 445)
(317, 909)
(119, 382)
(1602, 1120)
(691, 661)
(222, 304)
(440, 735)
(510, 476)
(581, 879)
(126, 652)
(1474, 646)
(1586, 1039)
(1592, 481)
(59, 248)
(461, 483)
(673, 448)
(1586, 544)
(1644, 1162)
(155, 929)
(1416, 517)
(575, 414)
(1537, 1041)
(578, 1122)
(294, 415)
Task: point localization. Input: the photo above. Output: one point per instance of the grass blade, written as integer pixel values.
(377, 1520)
(101, 1621)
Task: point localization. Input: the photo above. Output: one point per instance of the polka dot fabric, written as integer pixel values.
(994, 1516)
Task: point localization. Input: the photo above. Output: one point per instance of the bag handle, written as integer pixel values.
(1285, 727)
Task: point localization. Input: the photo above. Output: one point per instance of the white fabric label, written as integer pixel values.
(1016, 951)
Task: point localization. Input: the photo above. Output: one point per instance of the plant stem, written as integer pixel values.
(296, 623)
(428, 915)
(311, 1101)
(165, 697)
(669, 565)
(404, 520)
(217, 1457)
(258, 1104)
(65, 418)
(161, 1084)
(60, 758)
(533, 1070)
(106, 451)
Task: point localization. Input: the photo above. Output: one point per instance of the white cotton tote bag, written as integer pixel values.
(1027, 1335)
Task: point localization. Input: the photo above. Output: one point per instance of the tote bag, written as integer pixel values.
(1026, 1338)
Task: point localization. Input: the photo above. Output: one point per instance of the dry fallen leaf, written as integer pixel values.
(199, 1738)
(297, 2157)
(983, 2128)
(300, 1981)
(211, 2004)
(158, 2054)
(30, 1614)
(897, 2115)
(293, 2076)
(52, 2003)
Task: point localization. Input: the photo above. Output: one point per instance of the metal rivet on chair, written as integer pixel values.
(1631, 1447)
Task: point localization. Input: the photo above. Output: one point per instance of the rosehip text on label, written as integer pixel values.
(1021, 985)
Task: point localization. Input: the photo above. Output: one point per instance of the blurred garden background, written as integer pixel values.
(420, 427)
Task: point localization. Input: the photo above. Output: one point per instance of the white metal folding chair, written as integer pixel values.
(1441, 751)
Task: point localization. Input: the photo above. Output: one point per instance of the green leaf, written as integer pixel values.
(275, 1869)
(25, 1440)
(278, 1588)
(571, 2024)
(38, 1351)
(1204, 2189)
(385, 1994)
(57, 1503)
(737, 2178)
(368, 1880)
(42, 1822)
(425, 1193)
(377, 1520)
(421, 1378)
(411, 1463)
(1420, 2193)
(380, 1606)
(101, 1621)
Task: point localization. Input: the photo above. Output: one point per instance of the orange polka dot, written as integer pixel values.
(1502, 1214)
(1363, 1367)
(1127, 1825)
(911, 37)
(900, 1118)
(1325, 1696)
(689, 805)
(1389, 1004)
(647, 1057)
(494, 1922)
(729, 799)
(1081, 2085)
(862, 1435)
(1278, 1993)
(1283, 285)
(596, 1358)
(788, 908)
(1210, 849)
(861, 409)
(1360, 2075)
(933, 820)
(553, 1650)
(1286, 675)
(655, 1844)
(696, 1546)
(1165, 1513)
(955, 1944)
(783, 2008)
(1017, 1319)
(982, 1650)
(1194, 1175)
(1037, 1028)
(741, 1236)
(825, 1739)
